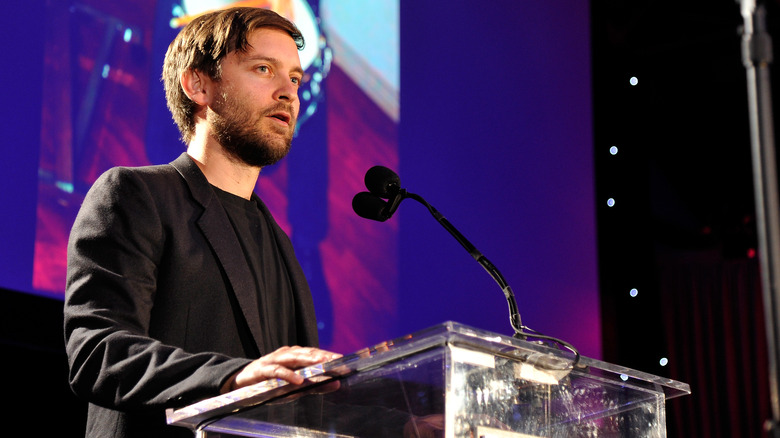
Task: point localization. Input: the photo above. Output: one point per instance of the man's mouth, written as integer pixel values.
(281, 116)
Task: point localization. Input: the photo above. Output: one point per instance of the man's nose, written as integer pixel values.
(286, 91)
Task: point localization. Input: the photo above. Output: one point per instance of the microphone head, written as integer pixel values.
(382, 182)
(370, 206)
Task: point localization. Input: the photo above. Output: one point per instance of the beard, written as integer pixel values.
(238, 129)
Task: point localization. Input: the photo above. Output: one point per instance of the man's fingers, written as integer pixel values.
(299, 357)
(259, 372)
(280, 372)
(280, 364)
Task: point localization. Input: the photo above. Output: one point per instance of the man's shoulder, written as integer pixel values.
(139, 189)
(152, 175)
(149, 172)
(179, 178)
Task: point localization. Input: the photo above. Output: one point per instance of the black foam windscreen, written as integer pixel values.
(382, 182)
(370, 206)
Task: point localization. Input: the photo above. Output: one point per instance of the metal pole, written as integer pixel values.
(756, 56)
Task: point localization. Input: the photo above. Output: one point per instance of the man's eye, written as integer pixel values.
(263, 69)
(296, 81)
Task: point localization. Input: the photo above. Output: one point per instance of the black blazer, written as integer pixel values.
(160, 306)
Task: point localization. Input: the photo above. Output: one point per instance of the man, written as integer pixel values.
(180, 284)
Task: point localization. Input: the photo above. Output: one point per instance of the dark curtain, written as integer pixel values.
(716, 339)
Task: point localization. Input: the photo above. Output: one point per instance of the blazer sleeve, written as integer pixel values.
(114, 252)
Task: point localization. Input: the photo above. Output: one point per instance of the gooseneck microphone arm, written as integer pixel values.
(514, 314)
(382, 200)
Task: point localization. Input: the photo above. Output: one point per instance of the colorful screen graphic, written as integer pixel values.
(105, 107)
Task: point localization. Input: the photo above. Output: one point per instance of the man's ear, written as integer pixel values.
(196, 86)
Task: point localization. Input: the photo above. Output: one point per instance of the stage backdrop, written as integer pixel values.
(485, 112)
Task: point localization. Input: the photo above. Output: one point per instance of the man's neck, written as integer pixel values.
(220, 169)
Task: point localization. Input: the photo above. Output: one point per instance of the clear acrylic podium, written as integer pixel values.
(451, 381)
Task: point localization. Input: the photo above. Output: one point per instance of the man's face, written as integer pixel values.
(256, 103)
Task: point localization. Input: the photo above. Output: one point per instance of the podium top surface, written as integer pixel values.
(547, 363)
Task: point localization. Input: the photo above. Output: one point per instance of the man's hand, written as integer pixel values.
(279, 364)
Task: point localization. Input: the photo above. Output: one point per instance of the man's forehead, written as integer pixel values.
(267, 44)
(269, 32)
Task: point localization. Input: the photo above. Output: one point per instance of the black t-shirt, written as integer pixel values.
(272, 280)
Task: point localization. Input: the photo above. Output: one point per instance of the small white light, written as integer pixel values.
(613, 150)
(128, 35)
(611, 202)
(633, 81)
(633, 292)
(664, 361)
(106, 70)
(623, 377)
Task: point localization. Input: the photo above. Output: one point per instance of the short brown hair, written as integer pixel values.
(203, 43)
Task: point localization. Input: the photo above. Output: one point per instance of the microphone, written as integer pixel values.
(382, 184)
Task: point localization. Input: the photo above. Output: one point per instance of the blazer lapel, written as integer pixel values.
(217, 229)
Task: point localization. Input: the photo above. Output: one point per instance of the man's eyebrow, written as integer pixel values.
(270, 60)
